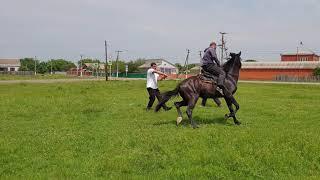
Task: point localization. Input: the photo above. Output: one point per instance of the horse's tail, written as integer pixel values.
(166, 96)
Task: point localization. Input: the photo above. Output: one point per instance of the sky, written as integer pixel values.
(260, 29)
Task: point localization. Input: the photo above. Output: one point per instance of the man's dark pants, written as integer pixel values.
(153, 93)
(218, 71)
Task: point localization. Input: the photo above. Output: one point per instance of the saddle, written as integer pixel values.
(208, 77)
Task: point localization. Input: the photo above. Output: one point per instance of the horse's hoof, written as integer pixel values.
(237, 123)
(195, 126)
(226, 116)
(179, 119)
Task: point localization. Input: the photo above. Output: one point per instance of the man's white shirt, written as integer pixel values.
(152, 79)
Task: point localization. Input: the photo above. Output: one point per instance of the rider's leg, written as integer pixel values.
(218, 71)
(221, 82)
(212, 69)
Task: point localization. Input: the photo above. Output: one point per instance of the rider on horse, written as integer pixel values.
(211, 64)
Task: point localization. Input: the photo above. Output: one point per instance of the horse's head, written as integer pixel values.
(233, 62)
(233, 65)
(237, 59)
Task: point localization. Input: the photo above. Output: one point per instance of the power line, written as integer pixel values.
(200, 54)
(81, 65)
(223, 48)
(106, 64)
(117, 64)
(51, 67)
(186, 63)
(35, 65)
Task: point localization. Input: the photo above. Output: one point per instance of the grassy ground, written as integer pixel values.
(38, 76)
(99, 130)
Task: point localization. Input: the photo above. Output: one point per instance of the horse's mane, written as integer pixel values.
(228, 65)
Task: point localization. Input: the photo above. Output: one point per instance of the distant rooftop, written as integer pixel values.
(300, 52)
(5, 62)
(95, 65)
(281, 65)
(147, 63)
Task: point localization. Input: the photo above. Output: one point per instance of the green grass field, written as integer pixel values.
(101, 130)
(32, 77)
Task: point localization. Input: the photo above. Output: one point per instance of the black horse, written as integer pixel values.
(194, 87)
(215, 100)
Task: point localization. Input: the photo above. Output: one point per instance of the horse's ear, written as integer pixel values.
(239, 53)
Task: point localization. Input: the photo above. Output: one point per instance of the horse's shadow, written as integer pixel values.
(199, 121)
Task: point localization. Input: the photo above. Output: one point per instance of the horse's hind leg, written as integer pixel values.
(191, 104)
(217, 101)
(204, 101)
(232, 112)
(178, 105)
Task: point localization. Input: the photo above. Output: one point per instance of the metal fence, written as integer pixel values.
(297, 78)
(130, 75)
(20, 73)
(121, 75)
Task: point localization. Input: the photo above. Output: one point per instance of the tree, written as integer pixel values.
(42, 67)
(180, 68)
(191, 66)
(60, 65)
(133, 66)
(250, 60)
(316, 71)
(27, 64)
(121, 65)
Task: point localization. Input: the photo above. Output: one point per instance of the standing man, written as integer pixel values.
(152, 85)
(211, 64)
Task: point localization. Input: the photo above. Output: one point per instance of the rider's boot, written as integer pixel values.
(221, 85)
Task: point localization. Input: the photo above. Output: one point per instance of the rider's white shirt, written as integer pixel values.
(152, 79)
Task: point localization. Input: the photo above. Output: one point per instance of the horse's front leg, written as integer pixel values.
(232, 112)
(191, 104)
(234, 102)
(178, 105)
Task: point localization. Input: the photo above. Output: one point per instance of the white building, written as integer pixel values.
(9, 64)
(163, 65)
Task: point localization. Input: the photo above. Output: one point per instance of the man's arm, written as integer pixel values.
(160, 73)
(214, 56)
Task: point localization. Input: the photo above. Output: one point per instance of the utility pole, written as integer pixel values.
(98, 69)
(51, 66)
(106, 64)
(300, 44)
(35, 65)
(117, 64)
(81, 65)
(186, 63)
(297, 53)
(222, 45)
(200, 53)
(77, 63)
